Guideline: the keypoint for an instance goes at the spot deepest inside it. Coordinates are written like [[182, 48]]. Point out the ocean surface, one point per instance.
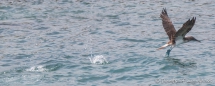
[[104, 43]]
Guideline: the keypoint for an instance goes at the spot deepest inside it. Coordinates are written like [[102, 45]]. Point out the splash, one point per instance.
[[37, 68], [98, 59]]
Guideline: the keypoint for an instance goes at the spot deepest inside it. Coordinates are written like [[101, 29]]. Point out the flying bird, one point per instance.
[[176, 38]]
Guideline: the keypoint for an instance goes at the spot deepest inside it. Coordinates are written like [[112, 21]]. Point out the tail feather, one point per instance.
[[164, 46]]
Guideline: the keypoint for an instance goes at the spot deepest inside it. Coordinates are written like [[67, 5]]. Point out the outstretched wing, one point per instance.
[[167, 24], [187, 26]]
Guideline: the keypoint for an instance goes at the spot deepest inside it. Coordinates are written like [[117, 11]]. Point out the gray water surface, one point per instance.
[[49, 43]]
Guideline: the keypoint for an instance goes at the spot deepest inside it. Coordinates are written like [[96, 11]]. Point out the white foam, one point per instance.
[[39, 68], [98, 59]]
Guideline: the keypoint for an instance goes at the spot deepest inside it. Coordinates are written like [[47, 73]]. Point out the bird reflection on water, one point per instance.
[[183, 67]]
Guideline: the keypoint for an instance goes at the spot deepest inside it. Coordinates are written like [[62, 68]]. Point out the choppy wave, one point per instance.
[[57, 42]]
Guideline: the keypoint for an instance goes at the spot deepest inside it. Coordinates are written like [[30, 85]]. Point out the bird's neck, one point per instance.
[[186, 40]]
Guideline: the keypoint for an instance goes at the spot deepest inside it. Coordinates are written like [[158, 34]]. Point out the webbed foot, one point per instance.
[[168, 52]]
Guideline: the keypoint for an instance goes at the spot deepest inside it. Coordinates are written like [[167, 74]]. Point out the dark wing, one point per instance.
[[167, 24], [187, 26]]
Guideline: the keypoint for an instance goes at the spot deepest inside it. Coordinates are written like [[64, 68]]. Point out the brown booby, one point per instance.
[[176, 38]]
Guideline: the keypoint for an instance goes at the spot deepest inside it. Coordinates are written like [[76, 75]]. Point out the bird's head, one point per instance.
[[191, 38]]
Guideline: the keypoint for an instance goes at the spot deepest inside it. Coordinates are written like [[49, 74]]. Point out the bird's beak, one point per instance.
[[197, 40]]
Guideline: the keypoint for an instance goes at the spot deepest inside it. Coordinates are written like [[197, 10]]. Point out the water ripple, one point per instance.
[[49, 42]]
